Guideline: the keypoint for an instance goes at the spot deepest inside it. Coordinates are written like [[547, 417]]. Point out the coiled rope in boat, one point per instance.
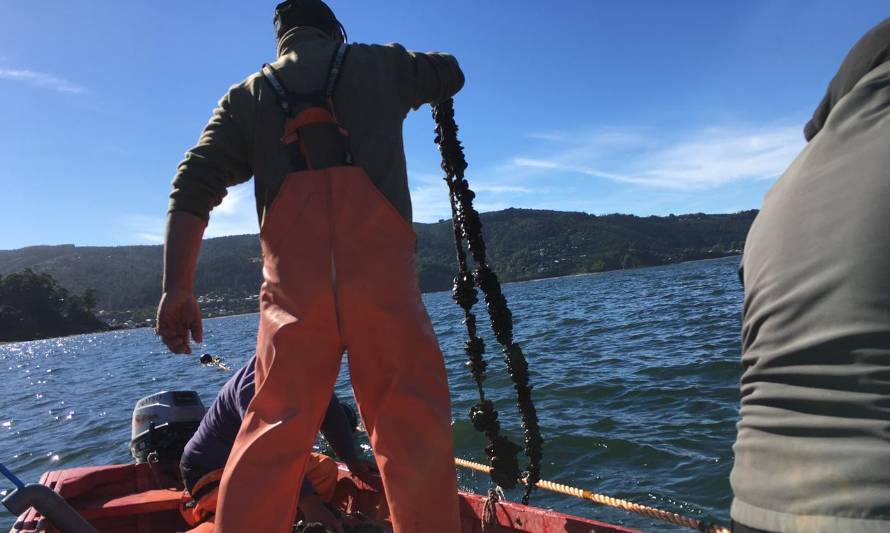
[[609, 501]]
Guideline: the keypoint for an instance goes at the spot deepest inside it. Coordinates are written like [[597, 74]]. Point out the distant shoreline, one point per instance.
[[546, 278], [3, 343], [623, 269]]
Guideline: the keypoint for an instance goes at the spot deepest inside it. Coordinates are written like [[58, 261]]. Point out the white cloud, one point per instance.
[[152, 238], [588, 136], [702, 160], [429, 195], [502, 189], [145, 229], [234, 200], [42, 79], [554, 136], [705, 159], [526, 162], [236, 215]]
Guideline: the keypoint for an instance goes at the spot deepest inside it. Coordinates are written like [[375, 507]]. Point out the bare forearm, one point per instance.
[[181, 247]]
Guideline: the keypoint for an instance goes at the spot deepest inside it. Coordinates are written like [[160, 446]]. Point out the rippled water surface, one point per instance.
[[635, 373]]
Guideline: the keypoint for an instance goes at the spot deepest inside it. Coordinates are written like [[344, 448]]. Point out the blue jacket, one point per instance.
[[209, 447]]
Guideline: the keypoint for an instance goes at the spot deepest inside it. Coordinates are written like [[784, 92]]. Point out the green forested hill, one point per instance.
[[522, 244], [35, 306]]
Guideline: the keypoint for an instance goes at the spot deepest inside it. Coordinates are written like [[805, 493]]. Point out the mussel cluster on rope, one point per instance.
[[501, 452]]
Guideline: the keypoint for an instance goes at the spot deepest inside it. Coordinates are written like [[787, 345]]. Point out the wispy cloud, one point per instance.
[[42, 80], [586, 136], [503, 189], [145, 229], [527, 162], [150, 238], [704, 159], [429, 194], [430, 203], [236, 215], [684, 172]]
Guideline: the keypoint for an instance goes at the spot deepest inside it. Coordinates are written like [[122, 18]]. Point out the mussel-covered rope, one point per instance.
[[500, 450], [609, 501], [464, 294], [465, 219]]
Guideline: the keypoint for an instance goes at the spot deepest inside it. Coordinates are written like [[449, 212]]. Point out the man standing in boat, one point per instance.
[[321, 132], [813, 447]]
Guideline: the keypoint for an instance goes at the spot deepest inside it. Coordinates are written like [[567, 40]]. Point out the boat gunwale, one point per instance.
[[114, 492]]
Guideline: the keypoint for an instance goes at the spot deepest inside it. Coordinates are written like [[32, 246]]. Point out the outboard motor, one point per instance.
[[162, 425]]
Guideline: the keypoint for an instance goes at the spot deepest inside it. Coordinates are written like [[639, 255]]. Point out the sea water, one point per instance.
[[635, 376]]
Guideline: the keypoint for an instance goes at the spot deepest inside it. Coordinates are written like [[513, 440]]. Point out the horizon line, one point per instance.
[[440, 221]]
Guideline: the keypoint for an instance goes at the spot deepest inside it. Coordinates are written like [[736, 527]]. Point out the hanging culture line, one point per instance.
[[465, 220]]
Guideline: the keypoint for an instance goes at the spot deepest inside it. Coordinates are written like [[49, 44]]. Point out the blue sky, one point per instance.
[[634, 107]]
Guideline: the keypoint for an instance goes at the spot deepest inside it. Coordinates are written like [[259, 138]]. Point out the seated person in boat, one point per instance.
[[813, 446], [206, 453]]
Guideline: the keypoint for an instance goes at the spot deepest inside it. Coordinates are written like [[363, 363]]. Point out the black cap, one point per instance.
[[315, 13]]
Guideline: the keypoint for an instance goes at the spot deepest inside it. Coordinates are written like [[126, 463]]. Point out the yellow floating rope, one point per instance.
[[609, 501]]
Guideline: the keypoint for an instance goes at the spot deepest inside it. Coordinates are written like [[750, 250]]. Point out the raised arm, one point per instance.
[[425, 78], [437, 77]]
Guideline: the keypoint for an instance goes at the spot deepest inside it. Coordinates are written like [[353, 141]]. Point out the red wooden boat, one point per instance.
[[139, 498]]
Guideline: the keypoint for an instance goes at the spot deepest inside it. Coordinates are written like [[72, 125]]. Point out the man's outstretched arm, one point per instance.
[[427, 78], [178, 312]]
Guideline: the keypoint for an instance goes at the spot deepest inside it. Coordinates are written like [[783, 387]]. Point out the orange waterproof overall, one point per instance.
[[339, 275]]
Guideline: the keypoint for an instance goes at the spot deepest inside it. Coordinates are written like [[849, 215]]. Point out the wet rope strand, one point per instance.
[[609, 501]]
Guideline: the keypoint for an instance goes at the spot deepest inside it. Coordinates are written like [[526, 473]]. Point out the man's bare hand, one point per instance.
[[179, 315]]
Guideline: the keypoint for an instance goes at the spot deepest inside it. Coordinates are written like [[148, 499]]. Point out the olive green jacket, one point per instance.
[[377, 87], [813, 447]]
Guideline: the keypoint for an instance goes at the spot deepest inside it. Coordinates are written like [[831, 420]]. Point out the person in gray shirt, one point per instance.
[[813, 447]]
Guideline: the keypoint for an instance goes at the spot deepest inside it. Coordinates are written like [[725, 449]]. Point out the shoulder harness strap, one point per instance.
[[303, 109], [335, 70], [287, 99], [278, 87]]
